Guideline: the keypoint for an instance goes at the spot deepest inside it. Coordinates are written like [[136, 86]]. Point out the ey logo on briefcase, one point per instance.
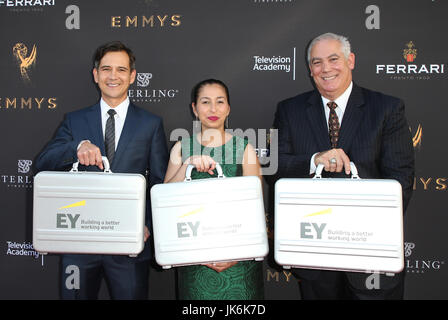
[[313, 230], [184, 228], [67, 220]]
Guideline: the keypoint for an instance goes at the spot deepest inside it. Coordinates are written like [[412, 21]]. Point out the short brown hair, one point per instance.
[[112, 46]]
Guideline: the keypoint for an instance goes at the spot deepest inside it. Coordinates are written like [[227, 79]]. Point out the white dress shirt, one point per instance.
[[341, 101], [120, 117]]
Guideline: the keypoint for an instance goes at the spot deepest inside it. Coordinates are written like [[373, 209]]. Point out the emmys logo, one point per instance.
[[24, 166], [143, 79], [28, 103], [417, 138], [410, 54], [25, 61], [430, 183], [143, 21], [278, 276]]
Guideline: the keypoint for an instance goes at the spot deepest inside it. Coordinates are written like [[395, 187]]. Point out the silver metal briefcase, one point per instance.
[[339, 224], [89, 212], [208, 220]]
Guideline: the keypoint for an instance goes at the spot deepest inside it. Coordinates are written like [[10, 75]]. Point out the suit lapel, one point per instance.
[[317, 120], [126, 134], [95, 126], [353, 115]]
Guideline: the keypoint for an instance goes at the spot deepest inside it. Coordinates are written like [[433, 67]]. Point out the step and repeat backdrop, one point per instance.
[[258, 48]]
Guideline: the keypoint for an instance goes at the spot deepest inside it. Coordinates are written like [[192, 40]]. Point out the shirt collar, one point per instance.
[[121, 109], [342, 100]]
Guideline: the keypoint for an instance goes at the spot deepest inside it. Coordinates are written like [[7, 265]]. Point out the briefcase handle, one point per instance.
[[190, 168], [320, 167], [105, 162]]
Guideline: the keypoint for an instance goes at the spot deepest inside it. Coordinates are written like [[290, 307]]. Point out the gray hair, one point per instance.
[[345, 44]]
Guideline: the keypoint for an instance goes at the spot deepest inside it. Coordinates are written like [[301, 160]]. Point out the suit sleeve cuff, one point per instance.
[[79, 145], [312, 165]]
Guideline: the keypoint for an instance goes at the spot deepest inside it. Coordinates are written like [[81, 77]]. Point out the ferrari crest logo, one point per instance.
[[410, 53]]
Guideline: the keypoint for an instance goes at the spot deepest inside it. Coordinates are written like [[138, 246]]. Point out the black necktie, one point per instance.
[[333, 124], [109, 136]]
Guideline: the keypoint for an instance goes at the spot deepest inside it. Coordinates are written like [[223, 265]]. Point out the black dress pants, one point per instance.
[[81, 276], [338, 285]]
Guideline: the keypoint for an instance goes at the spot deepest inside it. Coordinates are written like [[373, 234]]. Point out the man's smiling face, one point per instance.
[[114, 76], [330, 69]]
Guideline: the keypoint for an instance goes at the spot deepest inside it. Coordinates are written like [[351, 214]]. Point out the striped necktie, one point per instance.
[[109, 136]]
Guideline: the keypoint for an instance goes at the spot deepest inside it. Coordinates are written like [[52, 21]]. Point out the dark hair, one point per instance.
[[198, 87], [113, 46]]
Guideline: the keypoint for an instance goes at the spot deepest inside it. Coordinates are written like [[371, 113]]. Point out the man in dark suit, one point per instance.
[[366, 127], [135, 143]]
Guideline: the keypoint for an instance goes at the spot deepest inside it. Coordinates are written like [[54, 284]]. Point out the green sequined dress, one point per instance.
[[243, 281]]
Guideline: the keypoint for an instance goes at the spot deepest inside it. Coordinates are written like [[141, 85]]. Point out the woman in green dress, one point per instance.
[[237, 280]]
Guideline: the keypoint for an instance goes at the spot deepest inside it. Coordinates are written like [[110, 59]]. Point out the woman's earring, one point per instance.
[[227, 122]]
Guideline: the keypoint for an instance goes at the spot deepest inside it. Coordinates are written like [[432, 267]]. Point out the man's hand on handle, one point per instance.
[[90, 155], [334, 160]]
